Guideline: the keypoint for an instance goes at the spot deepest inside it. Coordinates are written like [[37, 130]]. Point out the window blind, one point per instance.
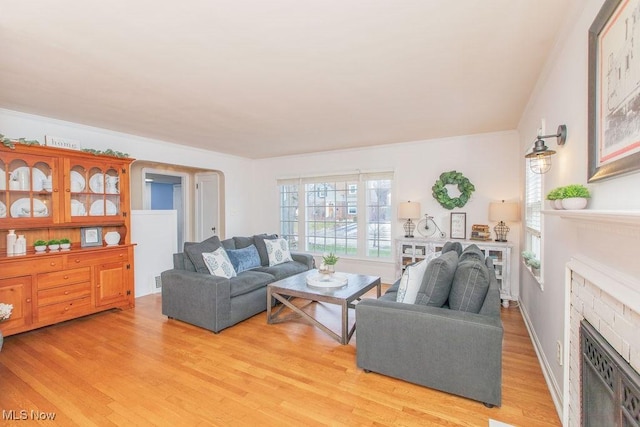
[[533, 200]]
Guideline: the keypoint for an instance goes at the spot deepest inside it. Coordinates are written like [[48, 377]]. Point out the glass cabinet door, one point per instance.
[[4, 179], [94, 191], [101, 195], [80, 192], [27, 189]]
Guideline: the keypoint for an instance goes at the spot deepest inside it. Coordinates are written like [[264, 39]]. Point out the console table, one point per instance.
[[410, 250]]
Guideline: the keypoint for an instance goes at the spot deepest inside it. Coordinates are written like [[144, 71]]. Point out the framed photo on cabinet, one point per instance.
[[90, 236], [458, 225]]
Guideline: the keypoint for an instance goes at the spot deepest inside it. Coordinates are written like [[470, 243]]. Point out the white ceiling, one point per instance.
[[263, 78]]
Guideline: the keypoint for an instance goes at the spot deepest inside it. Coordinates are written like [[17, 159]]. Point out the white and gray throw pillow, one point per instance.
[[218, 263], [278, 251], [411, 280]]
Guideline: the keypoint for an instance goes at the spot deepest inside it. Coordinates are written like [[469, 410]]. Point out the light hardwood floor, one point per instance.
[[136, 367]]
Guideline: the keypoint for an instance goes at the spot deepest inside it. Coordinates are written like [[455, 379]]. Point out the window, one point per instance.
[[289, 214], [320, 214], [533, 206], [378, 202]]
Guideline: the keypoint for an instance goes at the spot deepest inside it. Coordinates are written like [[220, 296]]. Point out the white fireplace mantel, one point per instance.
[[621, 222], [594, 271]]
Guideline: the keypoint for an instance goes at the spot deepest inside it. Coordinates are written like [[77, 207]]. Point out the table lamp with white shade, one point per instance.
[[503, 212], [409, 211]]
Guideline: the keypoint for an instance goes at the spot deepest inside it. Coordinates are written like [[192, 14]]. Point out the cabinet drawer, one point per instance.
[[64, 277], [94, 258], [64, 293], [19, 267], [64, 310]]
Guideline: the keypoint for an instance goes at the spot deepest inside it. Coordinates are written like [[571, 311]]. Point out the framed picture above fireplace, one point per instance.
[[614, 90]]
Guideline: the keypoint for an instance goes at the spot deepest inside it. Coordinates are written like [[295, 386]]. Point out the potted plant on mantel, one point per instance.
[[555, 197], [575, 196]]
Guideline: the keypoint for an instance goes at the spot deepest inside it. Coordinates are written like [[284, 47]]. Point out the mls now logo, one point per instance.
[[13, 415]]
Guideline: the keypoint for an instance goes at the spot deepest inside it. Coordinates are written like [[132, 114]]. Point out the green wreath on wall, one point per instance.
[[440, 193]]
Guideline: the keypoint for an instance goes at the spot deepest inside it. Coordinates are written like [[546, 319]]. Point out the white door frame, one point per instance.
[[198, 231], [185, 192]]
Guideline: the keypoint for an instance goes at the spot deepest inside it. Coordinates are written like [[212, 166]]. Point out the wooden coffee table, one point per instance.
[[286, 290]]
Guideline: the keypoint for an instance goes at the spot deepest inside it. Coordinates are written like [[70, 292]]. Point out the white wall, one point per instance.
[[238, 182], [490, 161], [561, 98], [156, 237]]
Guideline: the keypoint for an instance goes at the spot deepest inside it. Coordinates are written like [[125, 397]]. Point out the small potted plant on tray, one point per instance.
[[328, 264]]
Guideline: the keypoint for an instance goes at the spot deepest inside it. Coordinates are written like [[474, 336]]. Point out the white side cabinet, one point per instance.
[[410, 250]]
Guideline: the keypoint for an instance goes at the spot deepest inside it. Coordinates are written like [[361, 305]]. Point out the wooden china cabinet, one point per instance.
[[52, 193]]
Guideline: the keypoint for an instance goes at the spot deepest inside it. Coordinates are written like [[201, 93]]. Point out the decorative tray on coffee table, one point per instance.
[[327, 281]]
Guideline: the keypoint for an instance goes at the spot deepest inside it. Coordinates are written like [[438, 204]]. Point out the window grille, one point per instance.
[[344, 214]]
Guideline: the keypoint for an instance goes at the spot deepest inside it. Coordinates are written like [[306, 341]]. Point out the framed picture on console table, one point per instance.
[[458, 225], [91, 236], [614, 90]]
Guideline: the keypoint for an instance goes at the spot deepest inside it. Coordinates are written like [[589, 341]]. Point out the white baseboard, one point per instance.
[[552, 384]]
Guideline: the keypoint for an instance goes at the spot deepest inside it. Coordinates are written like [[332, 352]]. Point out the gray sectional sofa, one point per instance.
[[452, 350], [191, 294]]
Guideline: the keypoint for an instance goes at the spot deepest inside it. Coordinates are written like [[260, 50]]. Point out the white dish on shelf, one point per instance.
[[77, 182], [77, 208], [21, 208], [3, 180], [3, 210], [97, 208], [96, 183], [111, 184], [112, 238], [38, 178]]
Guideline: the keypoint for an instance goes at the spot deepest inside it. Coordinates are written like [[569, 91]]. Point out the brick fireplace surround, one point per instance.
[[606, 297]]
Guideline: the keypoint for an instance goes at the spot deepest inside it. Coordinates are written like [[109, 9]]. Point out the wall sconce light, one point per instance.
[[503, 211], [409, 211], [540, 156]]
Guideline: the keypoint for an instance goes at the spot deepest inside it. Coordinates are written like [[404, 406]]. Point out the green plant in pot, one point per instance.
[[527, 256], [65, 243], [555, 197], [54, 244], [535, 266], [329, 261], [575, 196], [40, 245]]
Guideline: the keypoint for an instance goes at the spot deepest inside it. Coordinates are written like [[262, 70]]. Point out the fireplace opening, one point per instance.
[[610, 387]]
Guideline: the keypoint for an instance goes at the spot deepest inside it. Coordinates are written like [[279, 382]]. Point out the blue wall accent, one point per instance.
[[161, 196]]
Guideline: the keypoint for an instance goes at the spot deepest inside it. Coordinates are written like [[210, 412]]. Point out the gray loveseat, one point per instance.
[[455, 351], [191, 294]]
